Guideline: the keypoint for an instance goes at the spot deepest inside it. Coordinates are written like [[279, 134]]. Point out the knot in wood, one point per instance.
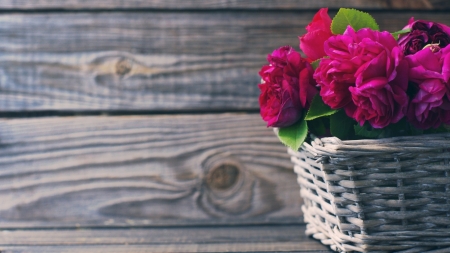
[[123, 67], [223, 176]]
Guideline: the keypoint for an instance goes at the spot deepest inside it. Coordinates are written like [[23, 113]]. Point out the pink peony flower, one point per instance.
[[288, 87], [423, 33], [335, 83], [319, 30], [430, 73], [366, 75]]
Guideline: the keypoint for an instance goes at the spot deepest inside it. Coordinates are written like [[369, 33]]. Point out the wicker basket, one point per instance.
[[386, 195]]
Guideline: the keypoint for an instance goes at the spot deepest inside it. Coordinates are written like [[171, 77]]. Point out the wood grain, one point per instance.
[[204, 239], [172, 33], [144, 171], [160, 33], [286, 247], [223, 4], [156, 61], [124, 81], [137, 61]]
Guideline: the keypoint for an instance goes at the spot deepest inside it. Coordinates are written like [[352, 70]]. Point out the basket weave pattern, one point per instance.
[[386, 195]]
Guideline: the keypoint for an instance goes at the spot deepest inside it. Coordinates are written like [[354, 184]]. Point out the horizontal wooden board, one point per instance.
[[156, 61], [123, 81], [144, 171], [286, 247], [199, 239], [223, 4], [159, 33], [137, 61], [170, 33]]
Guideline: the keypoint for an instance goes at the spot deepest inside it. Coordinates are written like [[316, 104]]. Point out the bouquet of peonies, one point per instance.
[[357, 81]]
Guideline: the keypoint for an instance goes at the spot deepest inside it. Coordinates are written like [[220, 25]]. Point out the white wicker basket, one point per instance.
[[385, 195]]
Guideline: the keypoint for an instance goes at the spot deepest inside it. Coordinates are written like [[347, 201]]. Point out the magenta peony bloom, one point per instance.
[[335, 77], [287, 89], [366, 75], [423, 33], [430, 73], [319, 30]]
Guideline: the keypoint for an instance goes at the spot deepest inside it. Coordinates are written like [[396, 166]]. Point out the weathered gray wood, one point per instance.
[[157, 33], [205, 239], [177, 33], [185, 248], [144, 170], [180, 235], [223, 4], [137, 61], [160, 61], [124, 81]]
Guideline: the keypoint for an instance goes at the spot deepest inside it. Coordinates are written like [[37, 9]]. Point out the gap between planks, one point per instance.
[[220, 4], [218, 239]]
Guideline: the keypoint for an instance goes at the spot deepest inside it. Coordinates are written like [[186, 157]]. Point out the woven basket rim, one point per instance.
[[333, 146]]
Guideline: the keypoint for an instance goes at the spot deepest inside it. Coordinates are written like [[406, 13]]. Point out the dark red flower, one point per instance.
[[430, 73], [423, 33], [287, 89], [319, 30], [365, 74]]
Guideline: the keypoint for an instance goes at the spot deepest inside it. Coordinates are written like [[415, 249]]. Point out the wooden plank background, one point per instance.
[[185, 239], [158, 78], [144, 171], [223, 4], [151, 61]]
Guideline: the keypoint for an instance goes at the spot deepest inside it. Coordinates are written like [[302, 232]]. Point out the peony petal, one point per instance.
[[392, 67], [446, 64], [294, 58], [350, 32], [421, 108], [401, 76], [380, 102], [365, 74], [312, 44], [387, 40], [428, 59], [279, 98], [320, 21], [372, 69], [337, 46], [402, 100], [374, 83], [307, 88], [319, 30], [434, 87], [419, 73]]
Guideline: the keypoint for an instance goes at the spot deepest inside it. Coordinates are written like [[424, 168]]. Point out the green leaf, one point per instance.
[[356, 19], [441, 129], [367, 131], [318, 126], [315, 64], [318, 109], [415, 131], [341, 125], [398, 33], [294, 136]]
